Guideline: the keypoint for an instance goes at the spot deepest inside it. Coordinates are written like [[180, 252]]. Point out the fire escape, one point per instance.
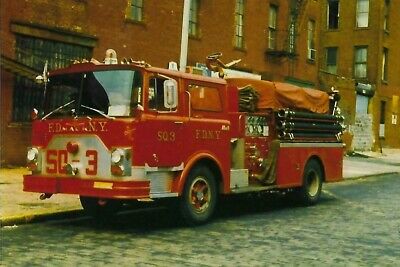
[[285, 45]]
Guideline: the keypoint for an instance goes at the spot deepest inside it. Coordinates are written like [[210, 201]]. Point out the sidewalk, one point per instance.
[[371, 163], [18, 207]]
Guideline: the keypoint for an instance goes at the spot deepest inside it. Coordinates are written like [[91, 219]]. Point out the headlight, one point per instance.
[[32, 154], [120, 162], [116, 156], [33, 159]]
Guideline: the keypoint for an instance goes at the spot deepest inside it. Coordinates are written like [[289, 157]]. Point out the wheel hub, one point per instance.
[[200, 197]]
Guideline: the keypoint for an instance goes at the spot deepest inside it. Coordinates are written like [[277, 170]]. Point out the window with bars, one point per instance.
[[33, 52], [311, 50], [331, 59], [134, 11], [239, 24], [362, 15], [194, 18], [360, 62], [272, 29]]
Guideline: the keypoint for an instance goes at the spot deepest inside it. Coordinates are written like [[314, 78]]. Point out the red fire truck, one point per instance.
[[118, 133]]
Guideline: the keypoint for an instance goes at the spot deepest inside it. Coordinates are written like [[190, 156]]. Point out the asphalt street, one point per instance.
[[357, 223]]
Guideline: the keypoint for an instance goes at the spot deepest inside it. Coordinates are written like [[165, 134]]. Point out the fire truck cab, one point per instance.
[[114, 133]]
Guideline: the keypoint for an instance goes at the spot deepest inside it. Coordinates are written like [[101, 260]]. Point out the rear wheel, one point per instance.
[[199, 198], [310, 191], [100, 208]]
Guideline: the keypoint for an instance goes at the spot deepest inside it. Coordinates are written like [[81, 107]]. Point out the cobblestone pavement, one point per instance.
[[357, 223]]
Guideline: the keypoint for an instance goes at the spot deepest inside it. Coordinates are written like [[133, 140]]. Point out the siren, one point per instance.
[[173, 65], [111, 57]]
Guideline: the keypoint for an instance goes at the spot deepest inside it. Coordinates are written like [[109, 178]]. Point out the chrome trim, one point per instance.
[[161, 179], [249, 189], [162, 195], [190, 103], [316, 145], [148, 168]]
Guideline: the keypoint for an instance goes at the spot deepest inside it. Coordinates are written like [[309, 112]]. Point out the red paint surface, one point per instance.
[[53, 185]]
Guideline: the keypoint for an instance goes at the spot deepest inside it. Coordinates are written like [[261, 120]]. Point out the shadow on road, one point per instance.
[[161, 216]]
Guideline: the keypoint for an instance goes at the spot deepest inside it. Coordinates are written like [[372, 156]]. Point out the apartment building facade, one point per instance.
[[276, 39], [358, 52]]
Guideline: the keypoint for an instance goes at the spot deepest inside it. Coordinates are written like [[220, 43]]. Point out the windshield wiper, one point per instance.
[[57, 109], [99, 111]]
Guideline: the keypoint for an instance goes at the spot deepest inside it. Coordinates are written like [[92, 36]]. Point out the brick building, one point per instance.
[[299, 41], [359, 50], [275, 39]]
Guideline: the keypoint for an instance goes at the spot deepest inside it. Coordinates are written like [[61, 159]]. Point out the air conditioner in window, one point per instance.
[[312, 54]]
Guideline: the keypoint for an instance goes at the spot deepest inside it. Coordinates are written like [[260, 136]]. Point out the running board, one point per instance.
[[249, 189]]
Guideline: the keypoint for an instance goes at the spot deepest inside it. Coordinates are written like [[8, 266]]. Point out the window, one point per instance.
[[311, 51], [91, 93], [157, 95], [360, 62], [33, 52], [385, 64], [362, 13], [333, 14], [382, 119], [386, 15], [239, 24], [383, 111], [331, 59], [273, 11], [194, 18], [135, 10], [205, 98]]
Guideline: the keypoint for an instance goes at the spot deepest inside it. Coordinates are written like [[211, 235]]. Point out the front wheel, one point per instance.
[[310, 191], [199, 197]]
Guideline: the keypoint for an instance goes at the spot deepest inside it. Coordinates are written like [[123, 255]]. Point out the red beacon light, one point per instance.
[[72, 147]]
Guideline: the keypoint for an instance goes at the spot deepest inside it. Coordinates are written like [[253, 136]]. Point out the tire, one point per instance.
[[310, 191], [199, 197], [102, 209]]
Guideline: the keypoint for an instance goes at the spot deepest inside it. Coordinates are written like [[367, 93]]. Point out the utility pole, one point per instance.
[[185, 35]]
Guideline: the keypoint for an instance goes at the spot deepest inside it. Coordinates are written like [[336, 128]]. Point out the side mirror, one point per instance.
[[44, 78], [34, 114], [170, 94], [40, 79]]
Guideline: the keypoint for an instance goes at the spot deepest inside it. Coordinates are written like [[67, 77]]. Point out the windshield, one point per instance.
[[111, 93]]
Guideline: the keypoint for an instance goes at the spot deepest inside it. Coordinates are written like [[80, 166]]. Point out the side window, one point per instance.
[[162, 94], [205, 98]]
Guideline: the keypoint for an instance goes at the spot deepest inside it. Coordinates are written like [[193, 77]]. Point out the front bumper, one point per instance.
[[85, 187]]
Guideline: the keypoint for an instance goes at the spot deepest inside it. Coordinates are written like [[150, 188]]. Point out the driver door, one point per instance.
[[164, 126]]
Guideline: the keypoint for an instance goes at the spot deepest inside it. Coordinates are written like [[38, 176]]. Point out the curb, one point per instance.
[[39, 217], [369, 176]]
